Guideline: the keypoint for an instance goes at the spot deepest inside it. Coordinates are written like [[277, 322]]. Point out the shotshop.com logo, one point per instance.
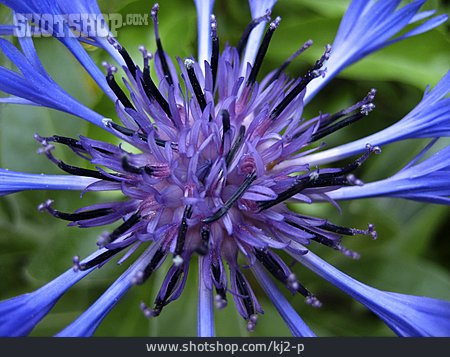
[[75, 25]]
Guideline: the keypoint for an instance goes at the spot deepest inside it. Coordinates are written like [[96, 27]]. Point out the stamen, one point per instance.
[[150, 88], [339, 178], [246, 299], [297, 53], [182, 231], [220, 302], [125, 55], [115, 87], [215, 50], [232, 200], [130, 168], [74, 217], [203, 247], [74, 144], [314, 72], [246, 34], [189, 64], [226, 126], [262, 51], [116, 233], [350, 231], [142, 275], [236, 146], [161, 302], [143, 137], [343, 123], [221, 297], [77, 266], [146, 55], [271, 265], [160, 50], [365, 107]]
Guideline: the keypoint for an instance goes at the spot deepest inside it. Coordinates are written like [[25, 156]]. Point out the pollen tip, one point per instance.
[[138, 278], [354, 180], [313, 301], [45, 205], [76, 263], [188, 63], [146, 310], [155, 9], [103, 239], [251, 324], [275, 23], [371, 230], [293, 282], [177, 260], [106, 121], [367, 108], [46, 148], [220, 302]]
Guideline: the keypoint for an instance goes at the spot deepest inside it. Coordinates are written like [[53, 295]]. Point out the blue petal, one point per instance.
[[428, 181], [19, 315], [40, 89], [367, 27], [204, 11], [287, 312], [86, 324], [429, 119], [205, 311], [258, 8], [12, 181], [406, 315], [7, 30], [72, 43]]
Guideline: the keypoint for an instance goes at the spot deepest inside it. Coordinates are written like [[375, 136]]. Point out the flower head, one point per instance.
[[217, 154]]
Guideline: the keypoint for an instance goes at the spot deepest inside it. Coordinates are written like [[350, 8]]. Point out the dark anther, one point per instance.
[[262, 51], [152, 91], [236, 145], [271, 265], [286, 63], [116, 233], [74, 217], [183, 230], [83, 172], [143, 137], [314, 72], [322, 132], [118, 91], [215, 50], [97, 260], [319, 238], [221, 291], [225, 124], [243, 290], [70, 142], [195, 84], [203, 247], [160, 51], [246, 34], [232, 200], [161, 302], [143, 275], [128, 167], [129, 62]]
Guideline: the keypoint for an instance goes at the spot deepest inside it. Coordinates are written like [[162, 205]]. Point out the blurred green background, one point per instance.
[[410, 256]]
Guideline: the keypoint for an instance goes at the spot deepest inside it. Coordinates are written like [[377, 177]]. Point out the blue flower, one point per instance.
[[218, 154]]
